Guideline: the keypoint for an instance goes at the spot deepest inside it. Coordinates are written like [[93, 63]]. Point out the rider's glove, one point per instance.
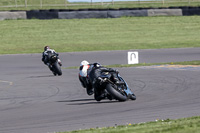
[[100, 80], [116, 71]]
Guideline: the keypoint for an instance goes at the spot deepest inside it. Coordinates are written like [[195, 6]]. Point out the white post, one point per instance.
[[65, 2], [163, 2], [25, 3], [15, 3], [133, 58], [40, 3]]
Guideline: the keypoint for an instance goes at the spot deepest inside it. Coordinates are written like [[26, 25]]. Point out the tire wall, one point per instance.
[[44, 14], [95, 13]]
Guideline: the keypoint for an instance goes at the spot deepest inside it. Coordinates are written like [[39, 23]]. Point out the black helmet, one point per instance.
[[46, 47], [97, 64]]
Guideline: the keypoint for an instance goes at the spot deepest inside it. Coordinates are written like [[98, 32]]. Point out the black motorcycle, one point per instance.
[[119, 90], [55, 66]]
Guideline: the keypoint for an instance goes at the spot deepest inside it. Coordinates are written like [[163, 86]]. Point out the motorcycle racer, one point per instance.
[[95, 72], [93, 75], [45, 58], [89, 77]]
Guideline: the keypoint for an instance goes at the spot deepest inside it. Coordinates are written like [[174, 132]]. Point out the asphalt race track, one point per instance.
[[32, 100]]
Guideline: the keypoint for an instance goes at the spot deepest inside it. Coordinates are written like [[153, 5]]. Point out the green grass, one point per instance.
[[150, 64], [67, 35], [35, 4], [32, 2], [184, 125], [146, 64]]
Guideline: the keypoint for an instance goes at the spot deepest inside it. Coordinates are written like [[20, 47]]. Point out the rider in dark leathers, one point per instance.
[[45, 55], [45, 58], [94, 73], [89, 76]]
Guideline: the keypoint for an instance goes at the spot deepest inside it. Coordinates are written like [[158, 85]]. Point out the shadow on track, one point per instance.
[[41, 76], [85, 101]]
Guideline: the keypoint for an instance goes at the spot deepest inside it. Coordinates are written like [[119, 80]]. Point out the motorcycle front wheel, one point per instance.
[[117, 94]]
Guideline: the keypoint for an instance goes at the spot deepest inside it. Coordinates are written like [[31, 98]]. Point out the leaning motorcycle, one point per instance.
[[55, 66], [118, 90]]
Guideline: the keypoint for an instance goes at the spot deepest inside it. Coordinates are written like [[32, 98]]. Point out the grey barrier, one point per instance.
[[13, 15], [95, 13], [165, 12], [129, 13]]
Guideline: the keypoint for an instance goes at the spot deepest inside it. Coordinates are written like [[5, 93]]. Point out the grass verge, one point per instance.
[[184, 125], [30, 36], [62, 4], [146, 64]]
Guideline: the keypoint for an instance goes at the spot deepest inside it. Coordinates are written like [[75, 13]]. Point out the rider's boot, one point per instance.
[[100, 97], [54, 73], [109, 96], [90, 91], [50, 67]]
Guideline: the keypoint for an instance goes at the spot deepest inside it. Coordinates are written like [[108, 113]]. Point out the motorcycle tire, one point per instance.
[[114, 93], [132, 96], [57, 68]]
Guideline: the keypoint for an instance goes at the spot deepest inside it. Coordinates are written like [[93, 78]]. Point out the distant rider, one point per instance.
[[45, 58]]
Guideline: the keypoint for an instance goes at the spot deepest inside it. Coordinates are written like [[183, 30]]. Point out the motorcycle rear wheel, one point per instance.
[[57, 68]]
